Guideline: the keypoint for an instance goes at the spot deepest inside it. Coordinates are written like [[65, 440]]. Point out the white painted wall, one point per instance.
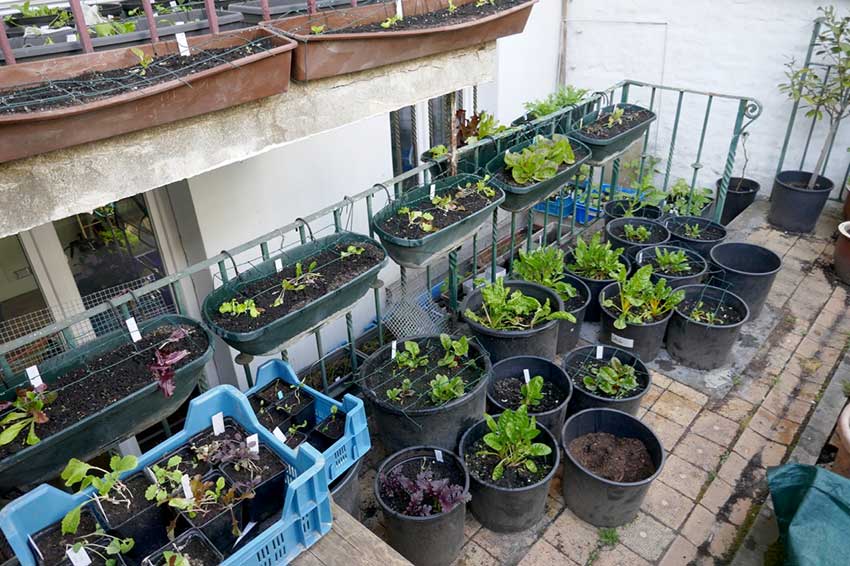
[[725, 46]]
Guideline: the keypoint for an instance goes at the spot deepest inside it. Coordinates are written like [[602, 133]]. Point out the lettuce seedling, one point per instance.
[[351, 251], [107, 484], [27, 411], [93, 544], [506, 310], [510, 439], [446, 203], [444, 389], [615, 117], [425, 496], [410, 357], [615, 379], [317, 30], [566, 96], [637, 233], [545, 266], [391, 21], [438, 151], [418, 218], [237, 308], [596, 260], [301, 281], [640, 301], [398, 393], [692, 230]]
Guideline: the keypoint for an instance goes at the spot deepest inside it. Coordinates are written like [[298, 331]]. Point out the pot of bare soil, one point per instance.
[[678, 266], [705, 326], [695, 233], [634, 234], [511, 461], [538, 384], [611, 459], [422, 493], [635, 312], [747, 270], [795, 203], [511, 318], [595, 264], [607, 377], [842, 252], [190, 548], [426, 389], [612, 129]]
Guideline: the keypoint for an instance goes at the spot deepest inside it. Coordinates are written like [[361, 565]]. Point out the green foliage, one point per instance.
[[699, 314], [482, 3], [630, 171], [615, 117], [301, 281], [640, 301], [351, 251], [293, 428], [236, 308], [438, 151], [418, 218], [480, 187], [27, 410], [480, 126], [106, 483], [317, 30], [452, 8], [110, 28], [564, 97], [532, 392], [540, 160], [506, 310], [637, 233], [444, 389], [596, 260], [680, 200], [167, 480], [399, 393], [672, 262], [692, 230], [62, 19], [608, 537], [93, 545], [175, 559], [545, 266], [453, 349], [446, 202], [145, 60], [120, 238], [410, 358], [510, 438], [615, 379], [391, 21]]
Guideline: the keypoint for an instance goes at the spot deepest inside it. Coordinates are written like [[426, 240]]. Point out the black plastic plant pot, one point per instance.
[[505, 509], [702, 345], [658, 234], [618, 208], [603, 149], [748, 271], [270, 337], [715, 234], [542, 340], [645, 340], [739, 195], [575, 363], [440, 426], [148, 530], [793, 207], [549, 371], [192, 543], [593, 311], [218, 526], [48, 544], [345, 490], [266, 501], [92, 435], [519, 198], [698, 266], [597, 500], [435, 540], [416, 253], [569, 332]]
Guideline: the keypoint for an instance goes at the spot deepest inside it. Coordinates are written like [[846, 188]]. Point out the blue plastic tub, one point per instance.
[[355, 442], [306, 512], [586, 213], [552, 206]]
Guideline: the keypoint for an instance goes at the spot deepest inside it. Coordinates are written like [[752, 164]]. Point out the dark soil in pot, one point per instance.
[[593, 310], [192, 545], [506, 392], [481, 467], [119, 513], [697, 267], [793, 206], [615, 232], [52, 543], [645, 340], [630, 119], [619, 208], [611, 457], [270, 481], [335, 273], [739, 196], [709, 234], [505, 176], [107, 379], [582, 361], [218, 521]]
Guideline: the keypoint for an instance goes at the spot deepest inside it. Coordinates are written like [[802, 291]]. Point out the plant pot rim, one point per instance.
[[844, 228], [512, 333], [609, 141], [741, 272], [585, 289], [622, 259], [643, 325], [692, 256], [395, 455], [548, 477], [740, 301], [560, 406], [615, 349], [634, 420], [744, 180], [705, 222], [621, 200], [467, 397], [780, 181]]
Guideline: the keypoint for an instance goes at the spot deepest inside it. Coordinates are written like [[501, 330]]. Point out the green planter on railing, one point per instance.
[[604, 148], [519, 198], [94, 434], [270, 337], [415, 253]]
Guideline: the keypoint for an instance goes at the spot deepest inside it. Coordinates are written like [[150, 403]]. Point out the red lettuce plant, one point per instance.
[[425, 496]]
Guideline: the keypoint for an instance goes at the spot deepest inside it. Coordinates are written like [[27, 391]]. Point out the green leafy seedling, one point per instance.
[[532, 392], [351, 251], [511, 440], [444, 389], [237, 308], [317, 30]]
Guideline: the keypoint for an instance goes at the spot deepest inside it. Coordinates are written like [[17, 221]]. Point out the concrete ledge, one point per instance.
[[55, 185]]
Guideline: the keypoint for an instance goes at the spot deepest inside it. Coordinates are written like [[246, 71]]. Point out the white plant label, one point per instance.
[[278, 265], [599, 350], [279, 434], [182, 44], [173, 4], [179, 23], [34, 547], [398, 9], [433, 191], [34, 377], [526, 375], [438, 454], [393, 349], [71, 37], [253, 443], [218, 423], [280, 395], [187, 487], [78, 557], [621, 341], [134, 329]]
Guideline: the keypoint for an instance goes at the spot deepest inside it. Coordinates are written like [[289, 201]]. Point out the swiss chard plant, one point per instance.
[[454, 351], [26, 411], [564, 97], [511, 440], [532, 392], [411, 357], [506, 310], [234, 307], [424, 496], [639, 300], [444, 389], [682, 202], [107, 485], [545, 266], [540, 160], [637, 233], [615, 379], [699, 313], [596, 260], [672, 262], [402, 392], [303, 278]]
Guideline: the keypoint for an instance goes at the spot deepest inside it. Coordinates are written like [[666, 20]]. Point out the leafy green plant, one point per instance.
[[293, 428], [175, 558], [482, 3], [672, 262], [301, 281], [351, 251], [391, 21], [564, 97], [111, 28], [93, 545], [237, 308], [637, 233], [680, 200], [418, 218], [62, 19], [540, 160], [510, 439], [506, 310], [452, 8], [639, 300], [453, 349], [207, 494], [411, 358], [480, 187], [317, 30], [438, 151], [692, 230], [27, 410], [615, 379], [399, 393], [545, 266], [444, 389], [615, 118], [145, 60], [532, 392], [166, 480], [596, 260], [477, 127], [446, 203], [700, 314], [107, 484]]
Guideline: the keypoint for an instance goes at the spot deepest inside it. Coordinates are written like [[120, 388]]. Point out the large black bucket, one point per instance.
[[748, 271], [793, 207], [582, 399], [740, 194]]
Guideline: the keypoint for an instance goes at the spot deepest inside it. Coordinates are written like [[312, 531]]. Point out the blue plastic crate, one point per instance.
[[306, 512], [586, 213], [355, 442], [552, 206]]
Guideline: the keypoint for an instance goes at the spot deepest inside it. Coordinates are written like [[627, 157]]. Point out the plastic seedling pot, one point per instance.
[[519, 198], [264, 504], [416, 253], [550, 372], [439, 426], [345, 490], [748, 271], [678, 237], [614, 234], [218, 524], [645, 340], [148, 530], [49, 544], [194, 544], [602, 149], [569, 332], [699, 344], [583, 399], [699, 267], [435, 540], [617, 209], [793, 207], [593, 311], [739, 196], [542, 340], [599, 501]]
